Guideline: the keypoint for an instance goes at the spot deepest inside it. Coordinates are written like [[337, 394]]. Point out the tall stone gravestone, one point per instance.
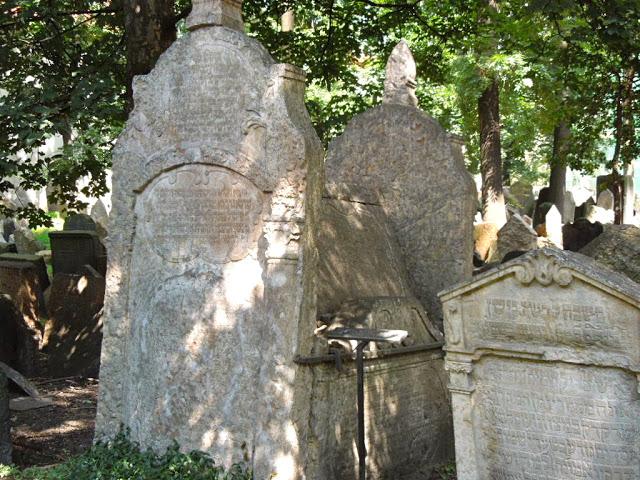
[[398, 157], [210, 286], [544, 365]]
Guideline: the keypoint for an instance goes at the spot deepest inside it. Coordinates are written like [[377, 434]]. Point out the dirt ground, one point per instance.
[[52, 434]]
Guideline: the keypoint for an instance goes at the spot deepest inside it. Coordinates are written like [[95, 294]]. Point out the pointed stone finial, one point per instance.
[[400, 84], [207, 13]]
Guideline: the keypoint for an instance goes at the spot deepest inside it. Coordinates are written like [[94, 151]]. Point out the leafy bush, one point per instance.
[[122, 459]]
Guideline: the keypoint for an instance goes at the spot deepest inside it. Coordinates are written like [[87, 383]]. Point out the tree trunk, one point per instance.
[[493, 208], [558, 177], [149, 30], [625, 148]]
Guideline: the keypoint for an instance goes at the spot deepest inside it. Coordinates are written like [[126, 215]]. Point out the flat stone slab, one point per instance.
[[23, 404]]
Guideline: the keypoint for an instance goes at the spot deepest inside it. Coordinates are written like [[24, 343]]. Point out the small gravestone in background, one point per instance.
[[71, 250], [544, 369], [5, 422], [18, 344], [606, 200], [583, 210], [553, 226], [569, 208], [210, 291], [579, 233], [396, 156], [515, 236], [26, 241], [80, 221], [38, 263]]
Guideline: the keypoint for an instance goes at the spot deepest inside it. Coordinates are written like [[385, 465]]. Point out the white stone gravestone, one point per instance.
[[544, 368], [210, 288]]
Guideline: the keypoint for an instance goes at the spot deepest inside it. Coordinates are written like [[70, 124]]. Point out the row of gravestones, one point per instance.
[[53, 326], [234, 248], [234, 251]]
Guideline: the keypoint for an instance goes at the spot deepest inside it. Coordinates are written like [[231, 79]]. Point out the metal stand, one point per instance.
[[362, 448], [363, 336]]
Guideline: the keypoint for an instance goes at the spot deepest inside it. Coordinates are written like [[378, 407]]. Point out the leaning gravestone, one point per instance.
[[398, 157], [544, 367], [515, 236], [210, 289], [5, 422]]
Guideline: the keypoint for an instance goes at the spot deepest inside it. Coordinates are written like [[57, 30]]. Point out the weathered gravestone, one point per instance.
[[398, 157], [73, 333], [544, 365], [515, 236], [363, 283], [618, 247], [26, 241], [36, 260], [606, 200], [21, 281], [5, 422], [18, 343], [210, 290], [71, 250], [80, 221]]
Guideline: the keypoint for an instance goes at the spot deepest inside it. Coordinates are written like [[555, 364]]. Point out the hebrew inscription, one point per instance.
[[555, 322], [201, 211], [557, 421]]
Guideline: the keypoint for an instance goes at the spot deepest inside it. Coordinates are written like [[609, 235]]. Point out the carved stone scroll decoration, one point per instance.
[[545, 269]]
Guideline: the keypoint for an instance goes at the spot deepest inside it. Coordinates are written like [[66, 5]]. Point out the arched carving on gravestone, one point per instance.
[[200, 211]]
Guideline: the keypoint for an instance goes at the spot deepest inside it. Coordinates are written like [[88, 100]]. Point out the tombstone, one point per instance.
[[6, 247], [605, 200], [363, 283], [100, 216], [210, 287], [569, 208], [359, 257], [5, 422], [553, 226], [544, 367], [601, 215], [71, 250], [516, 235], [618, 247], [628, 195], [579, 233], [73, 333], [396, 156], [583, 210], [20, 281], [407, 410], [38, 263], [80, 221], [18, 343], [542, 206], [26, 241]]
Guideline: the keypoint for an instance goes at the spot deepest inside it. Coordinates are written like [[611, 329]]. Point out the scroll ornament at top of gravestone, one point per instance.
[[398, 157], [209, 290]]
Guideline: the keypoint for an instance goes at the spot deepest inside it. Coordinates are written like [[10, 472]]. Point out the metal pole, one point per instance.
[[362, 448]]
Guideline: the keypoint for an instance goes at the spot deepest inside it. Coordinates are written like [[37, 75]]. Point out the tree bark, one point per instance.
[[558, 177], [625, 148], [149, 30], [493, 207]]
